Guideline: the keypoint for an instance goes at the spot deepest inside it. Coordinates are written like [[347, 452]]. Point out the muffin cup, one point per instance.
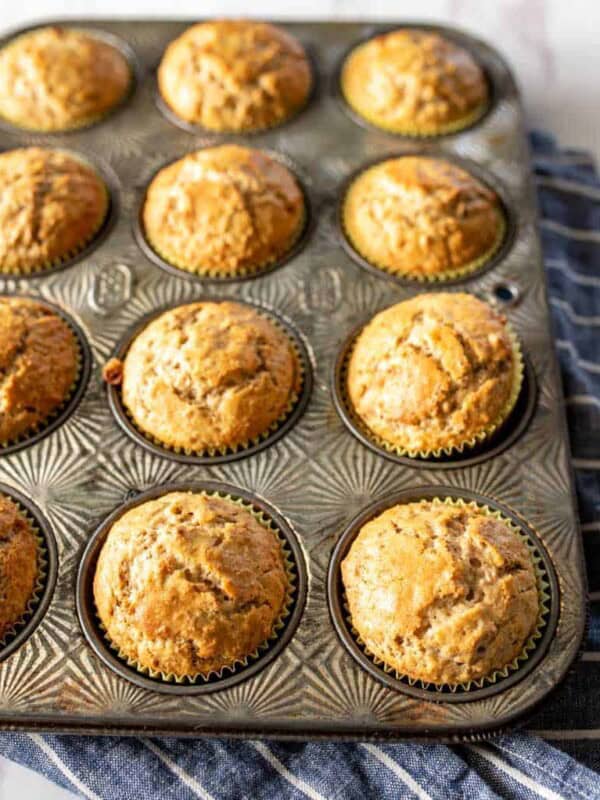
[[40, 581], [229, 674], [73, 396], [372, 122], [536, 644], [295, 407], [68, 257], [502, 242], [47, 558], [165, 261], [87, 122], [481, 437]]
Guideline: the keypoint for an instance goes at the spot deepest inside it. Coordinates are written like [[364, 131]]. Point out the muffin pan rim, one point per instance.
[[482, 174], [51, 555], [335, 593], [83, 380], [119, 413], [457, 36], [301, 241], [87, 616], [509, 432]]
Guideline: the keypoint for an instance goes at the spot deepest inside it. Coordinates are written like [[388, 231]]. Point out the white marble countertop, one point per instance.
[[552, 46]]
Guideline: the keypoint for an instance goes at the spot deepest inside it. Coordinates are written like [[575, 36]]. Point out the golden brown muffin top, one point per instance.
[[412, 80], [225, 210], [38, 365], [55, 79], [18, 563], [442, 594], [235, 75], [209, 376], [433, 372], [189, 583], [51, 205], [421, 217]]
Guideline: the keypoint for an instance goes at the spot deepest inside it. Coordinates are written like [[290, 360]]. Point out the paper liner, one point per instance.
[[240, 272], [476, 439], [279, 624], [40, 582], [226, 450], [40, 426], [445, 275], [543, 586], [74, 252]]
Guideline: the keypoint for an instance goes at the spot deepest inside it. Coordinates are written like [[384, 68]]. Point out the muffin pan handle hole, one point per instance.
[[506, 294]]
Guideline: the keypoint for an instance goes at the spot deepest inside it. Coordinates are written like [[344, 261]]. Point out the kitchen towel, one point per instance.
[[518, 765]]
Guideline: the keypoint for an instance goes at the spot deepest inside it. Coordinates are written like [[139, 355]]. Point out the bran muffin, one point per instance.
[[414, 82], [39, 364], [422, 218], [18, 564], [51, 205], [441, 593], [189, 583], [208, 377], [235, 75], [56, 79], [434, 373], [223, 211]]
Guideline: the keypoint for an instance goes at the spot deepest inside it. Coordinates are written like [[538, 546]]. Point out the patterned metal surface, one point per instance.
[[318, 475]]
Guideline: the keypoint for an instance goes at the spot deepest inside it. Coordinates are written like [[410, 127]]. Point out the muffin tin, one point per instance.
[[316, 476]]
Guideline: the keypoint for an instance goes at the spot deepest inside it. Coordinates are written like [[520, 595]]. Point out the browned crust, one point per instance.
[[441, 594], [235, 75], [413, 80], [52, 205], [18, 563], [432, 372], [209, 375], [224, 210], [38, 365], [421, 216], [55, 79], [188, 584]]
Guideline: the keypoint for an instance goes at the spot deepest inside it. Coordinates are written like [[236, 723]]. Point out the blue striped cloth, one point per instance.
[[515, 766]]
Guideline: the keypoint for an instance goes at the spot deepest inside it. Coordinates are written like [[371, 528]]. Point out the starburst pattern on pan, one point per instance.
[[28, 680]]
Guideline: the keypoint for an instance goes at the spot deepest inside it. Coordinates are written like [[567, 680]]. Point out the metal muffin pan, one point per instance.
[[318, 476]]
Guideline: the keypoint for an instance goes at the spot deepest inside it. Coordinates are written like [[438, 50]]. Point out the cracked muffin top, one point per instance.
[[223, 211], [434, 372], [441, 593], [39, 358], [18, 563], [208, 376], [422, 217], [51, 205], [189, 583], [414, 82], [235, 75], [56, 79]]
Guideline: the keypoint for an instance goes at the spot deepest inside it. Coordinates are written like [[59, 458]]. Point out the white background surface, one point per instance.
[[553, 46]]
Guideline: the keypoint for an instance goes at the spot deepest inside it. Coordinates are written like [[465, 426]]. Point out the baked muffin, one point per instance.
[[210, 376], [434, 373], [235, 75], [39, 363], [18, 564], [441, 593], [57, 79], [414, 82], [224, 211], [51, 206], [422, 218], [188, 584]]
